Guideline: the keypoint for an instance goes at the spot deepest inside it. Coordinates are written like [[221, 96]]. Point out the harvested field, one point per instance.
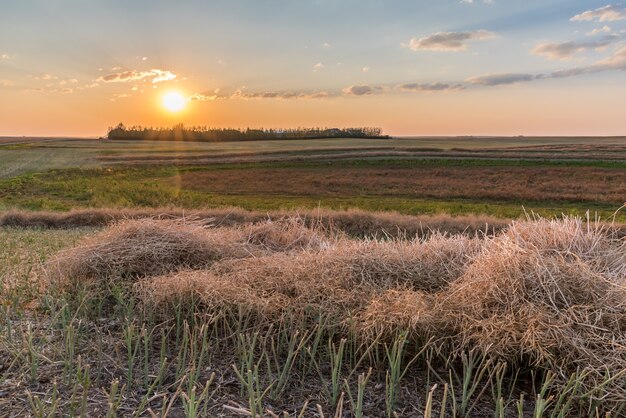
[[581, 184], [534, 312], [178, 302]]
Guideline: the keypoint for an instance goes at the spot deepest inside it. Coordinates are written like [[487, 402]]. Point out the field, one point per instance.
[[320, 278], [462, 176]]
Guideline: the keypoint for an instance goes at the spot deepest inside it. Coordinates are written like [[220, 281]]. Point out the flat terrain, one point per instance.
[[570, 184], [188, 307], [491, 176]]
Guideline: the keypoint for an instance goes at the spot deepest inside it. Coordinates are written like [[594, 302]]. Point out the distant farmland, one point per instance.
[[411, 176]]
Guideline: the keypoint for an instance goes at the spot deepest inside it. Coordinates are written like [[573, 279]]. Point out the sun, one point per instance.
[[174, 101]]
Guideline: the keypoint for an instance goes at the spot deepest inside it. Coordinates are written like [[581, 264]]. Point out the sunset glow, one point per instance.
[[174, 101], [497, 67]]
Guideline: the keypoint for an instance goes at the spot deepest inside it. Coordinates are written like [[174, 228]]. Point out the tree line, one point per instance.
[[203, 133]]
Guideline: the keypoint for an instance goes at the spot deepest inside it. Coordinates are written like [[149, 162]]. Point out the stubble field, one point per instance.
[[155, 297]]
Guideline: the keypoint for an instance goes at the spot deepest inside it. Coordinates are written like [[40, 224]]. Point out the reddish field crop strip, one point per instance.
[[584, 184]]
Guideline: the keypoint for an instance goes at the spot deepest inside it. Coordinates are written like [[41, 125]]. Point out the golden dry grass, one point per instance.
[[131, 249], [547, 293]]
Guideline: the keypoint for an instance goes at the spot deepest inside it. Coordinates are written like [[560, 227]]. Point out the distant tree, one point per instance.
[[202, 133]]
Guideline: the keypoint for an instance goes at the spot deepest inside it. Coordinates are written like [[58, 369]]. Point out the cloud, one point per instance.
[[500, 79], [46, 77], [283, 95], [603, 29], [6, 83], [361, 90], [358, 90], [566, 50], [609, 13], [472, 1], [5, 57], [448, 41], [365, 69], [615, 62], [417, 87], [208, 96], [318, 67], [154, 76]]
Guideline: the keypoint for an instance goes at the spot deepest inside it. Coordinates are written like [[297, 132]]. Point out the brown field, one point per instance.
[[573, 184]]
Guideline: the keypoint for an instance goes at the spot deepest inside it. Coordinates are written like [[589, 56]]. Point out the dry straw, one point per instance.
[[551, 293], [131, 249]]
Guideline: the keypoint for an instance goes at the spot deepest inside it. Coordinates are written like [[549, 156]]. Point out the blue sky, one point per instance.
[[116, 55]]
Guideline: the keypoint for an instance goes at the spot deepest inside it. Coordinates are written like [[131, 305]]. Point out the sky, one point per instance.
[[411, 67]]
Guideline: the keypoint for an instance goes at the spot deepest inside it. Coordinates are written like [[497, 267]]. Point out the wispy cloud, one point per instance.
[[425, 87], [566, 50], [153, 75], [358, 90], [284, 95], [46, 77], [6, 83], [5, 57], [318, 67], [615, 62], [361, 90], [603, 29], [448, 41], [607, 13], [208, 96], [483, 1], [500, 79]]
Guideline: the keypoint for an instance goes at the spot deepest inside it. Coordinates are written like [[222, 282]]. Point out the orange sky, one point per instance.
[[483, 67], [527, 110]]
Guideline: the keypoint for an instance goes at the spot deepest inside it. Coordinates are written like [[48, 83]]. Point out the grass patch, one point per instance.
[[161, 186]]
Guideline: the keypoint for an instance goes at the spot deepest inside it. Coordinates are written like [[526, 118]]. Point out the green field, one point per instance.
[[64, 174]]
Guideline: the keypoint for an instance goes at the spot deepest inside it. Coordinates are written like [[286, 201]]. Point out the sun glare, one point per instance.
[[174, 101]]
